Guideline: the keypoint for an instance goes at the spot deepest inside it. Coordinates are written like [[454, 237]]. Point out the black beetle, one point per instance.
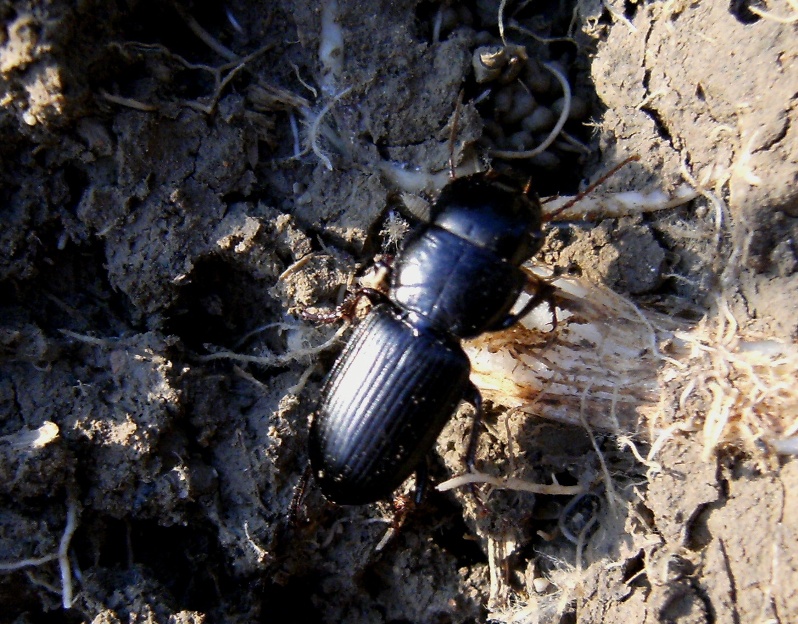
[[403, 372]]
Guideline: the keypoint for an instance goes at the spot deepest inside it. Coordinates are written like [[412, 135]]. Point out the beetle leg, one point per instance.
[[346, 310], [402, 506], [299, 494], [422, 473], [473, 397], [545, 292]]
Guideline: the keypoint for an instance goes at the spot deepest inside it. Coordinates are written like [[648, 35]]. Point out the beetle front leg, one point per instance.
[[374, 289], [545, 292], [346, 310]]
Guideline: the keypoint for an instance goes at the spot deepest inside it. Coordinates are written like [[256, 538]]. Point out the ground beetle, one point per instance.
[[403, 372]]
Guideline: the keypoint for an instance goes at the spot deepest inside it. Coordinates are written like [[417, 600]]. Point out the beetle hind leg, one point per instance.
[[474, 398], [299, 494], [422, 480]]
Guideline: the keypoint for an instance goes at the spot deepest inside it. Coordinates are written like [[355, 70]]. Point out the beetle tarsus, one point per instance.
[[422, 474]]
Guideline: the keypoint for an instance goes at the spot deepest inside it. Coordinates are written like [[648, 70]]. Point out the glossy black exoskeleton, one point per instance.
[[403, 372]]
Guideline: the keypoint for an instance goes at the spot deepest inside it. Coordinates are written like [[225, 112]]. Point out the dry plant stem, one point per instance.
[[12, 566], [513, 25], [274, 360], [603, 178], [303, 380], [502, 4], [204, 35], [615, 205], [720, 206], [281, 327], [128, 102], [510, 483], [626, 441], [619, 16], [566, 109], [232, 68], [776, 18], [92, 340]]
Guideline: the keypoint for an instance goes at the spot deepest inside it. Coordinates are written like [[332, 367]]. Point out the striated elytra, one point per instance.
[[403, 372]]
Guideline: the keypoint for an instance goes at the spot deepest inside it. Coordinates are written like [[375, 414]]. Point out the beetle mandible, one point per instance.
[[403, 372]]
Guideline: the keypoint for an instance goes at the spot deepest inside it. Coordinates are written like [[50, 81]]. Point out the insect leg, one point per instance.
[[299, 494], [545, 292], [346, 310], [475, 399], [422, 472]]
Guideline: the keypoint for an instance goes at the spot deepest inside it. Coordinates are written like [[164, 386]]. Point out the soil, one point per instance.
[[179, 181]]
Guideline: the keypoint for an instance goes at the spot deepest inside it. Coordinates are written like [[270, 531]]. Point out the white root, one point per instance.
[[331, 47], [510, 483], [63, 553], [607, 205], [417, 181], [272, 360], [62, 556], [315, 128]]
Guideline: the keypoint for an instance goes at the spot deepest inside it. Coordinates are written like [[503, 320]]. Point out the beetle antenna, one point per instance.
[[453, 133], [592, 187]]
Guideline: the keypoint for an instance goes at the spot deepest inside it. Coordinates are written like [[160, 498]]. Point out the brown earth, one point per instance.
[[179, 181]]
